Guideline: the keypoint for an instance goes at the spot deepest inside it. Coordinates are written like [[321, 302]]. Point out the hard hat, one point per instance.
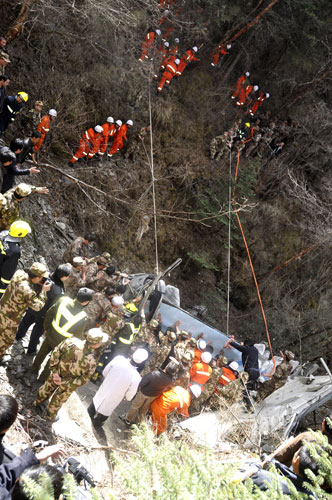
[[267, 95], [130, 122], [247, 124], [38, 269], [166, 12], [256, 88], [98, 129], [206, 357], [229, 45], [177, 61], [53, 112], [247, 73], [119, 122], [19, 229], [195, 390], [195, 49], [177, 40], [78, 261], [23, 95], [39, 103], [153, 323], [140, 355], [158, 32], [171, 336], [186, 358], [131, 307], [96, 336], [234, 366], [110, 119], [117, 301], [166, 44], [201, 344], [22, 190]]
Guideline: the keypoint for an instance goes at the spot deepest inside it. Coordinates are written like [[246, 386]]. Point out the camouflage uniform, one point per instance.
[[209, 388], [253, 144], [278, 380], [75, 363], [229, 394], [114, 322], [102, 281], [219, 145], [30, 120], [161, 353], [74, 282], [76, 249], [136, 143], [9, 207], [97, 310], [19, 295]]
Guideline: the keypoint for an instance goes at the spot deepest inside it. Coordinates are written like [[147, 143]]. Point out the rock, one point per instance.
[[61, 226]]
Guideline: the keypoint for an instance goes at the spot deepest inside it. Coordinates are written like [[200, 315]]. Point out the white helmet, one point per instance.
[[140, 355], [234, 366], [119, 122], [117, 301], [229, 45], [98, 129], [110, 119], [158, 32], [195, 390], [267, 95], [130, 122], [177, 61], [201, 344], [166, 44], [247, 73], [166, 12], [52, 112], [256, 88], [177, 40], [206, 357], [195, 49]]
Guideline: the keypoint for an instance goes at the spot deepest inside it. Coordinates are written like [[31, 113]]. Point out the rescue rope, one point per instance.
[[251, 264], [229, 238]]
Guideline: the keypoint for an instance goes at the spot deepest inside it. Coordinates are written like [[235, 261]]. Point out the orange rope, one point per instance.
[[251, 265]]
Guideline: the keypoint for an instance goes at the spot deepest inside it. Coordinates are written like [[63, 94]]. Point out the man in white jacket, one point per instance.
[[121, 380]]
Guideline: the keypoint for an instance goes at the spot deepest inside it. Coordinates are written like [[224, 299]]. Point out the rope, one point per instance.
[[229, 237], [153, 178], [251, 264]]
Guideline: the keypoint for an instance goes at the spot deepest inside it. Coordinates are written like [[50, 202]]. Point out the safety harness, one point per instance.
[[70, 319]]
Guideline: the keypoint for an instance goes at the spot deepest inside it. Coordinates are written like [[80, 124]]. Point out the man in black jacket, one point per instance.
[[150, 387], [37, 317], [28, 145], [12, 169], [13, 104], [4, 82]]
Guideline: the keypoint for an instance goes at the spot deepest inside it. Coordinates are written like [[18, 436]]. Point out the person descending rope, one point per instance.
[[240, 84], [168, 74], [108, 131], [120, 136], [258, 103], [220, 51], [89, 144], [147, 45]]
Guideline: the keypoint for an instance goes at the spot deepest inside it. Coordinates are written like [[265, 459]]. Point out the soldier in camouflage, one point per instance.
[[99, 307], [32, 118], [184, 375], [77, 278], [78, 248], [11, 200], [279, 378], [182, 345], [162, 351], [94, 270], [26, 289], [209, 387], [229, 394], [72, 364]]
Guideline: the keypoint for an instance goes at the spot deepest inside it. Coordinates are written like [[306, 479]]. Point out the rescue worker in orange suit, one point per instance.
[[167, 60], [187, 57], [168, 74], [176, 398], [89, 145], [258, 103], [108, 131], [228, 374], [147, 44], [201, 371], [220, 51], [240, 85], [245, 97], [120, 136], [44, 127], [198, 351], [174, 49]]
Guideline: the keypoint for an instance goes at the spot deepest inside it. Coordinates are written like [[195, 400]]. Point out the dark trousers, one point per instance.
[[97, 418], [37, 331]]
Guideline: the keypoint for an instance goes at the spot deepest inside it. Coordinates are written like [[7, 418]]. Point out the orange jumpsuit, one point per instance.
[[189, 56], [176, 398], [119, 136], [173, 50], [146, 45], [198, 355], [239, 86], [221, 50], [227, 376], [257, 104], [43, 127], [169, 30], [167, 75], [89, 145], [108, 131], [181, 67], [200, 373]]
